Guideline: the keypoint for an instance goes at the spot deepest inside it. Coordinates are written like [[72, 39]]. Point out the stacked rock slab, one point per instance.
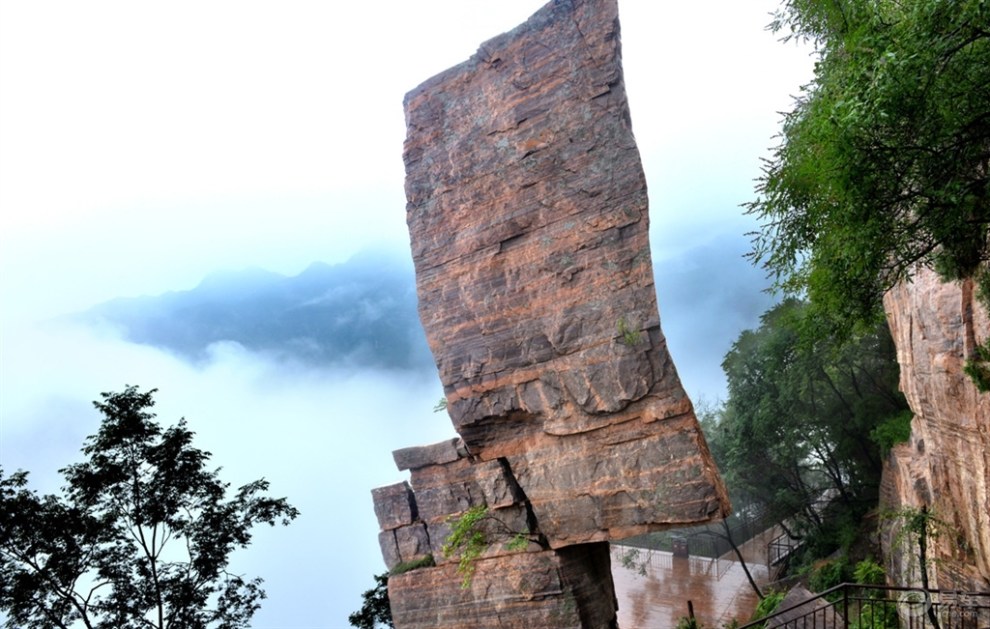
[[513, 587], [527, 213]]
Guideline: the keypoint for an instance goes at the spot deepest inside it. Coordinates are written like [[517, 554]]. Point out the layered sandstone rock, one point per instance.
[[936, 327], [523, 586], [527, 213], [567, 589]]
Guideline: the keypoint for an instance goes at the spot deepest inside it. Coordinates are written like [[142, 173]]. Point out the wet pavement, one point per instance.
[[653, 587]]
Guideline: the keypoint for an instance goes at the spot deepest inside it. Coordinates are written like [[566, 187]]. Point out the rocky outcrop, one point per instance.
[[809, 612], [527, 213], [513, 585], [522, 591], [946, 465]]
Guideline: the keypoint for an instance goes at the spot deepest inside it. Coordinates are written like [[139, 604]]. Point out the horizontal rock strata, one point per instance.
[[527, 214], [566, 589], [530, 586]]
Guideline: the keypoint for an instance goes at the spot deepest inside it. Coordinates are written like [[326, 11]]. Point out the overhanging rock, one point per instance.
[[527, 212]]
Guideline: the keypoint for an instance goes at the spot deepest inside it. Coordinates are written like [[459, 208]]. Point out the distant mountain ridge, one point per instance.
[[361, 313]]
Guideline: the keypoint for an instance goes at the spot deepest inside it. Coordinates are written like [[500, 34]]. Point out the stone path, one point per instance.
[[653, 587]]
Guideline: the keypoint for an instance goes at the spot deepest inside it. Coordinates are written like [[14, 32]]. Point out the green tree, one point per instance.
[[141, 536], [797, 423], [375, 611], [884, 161]]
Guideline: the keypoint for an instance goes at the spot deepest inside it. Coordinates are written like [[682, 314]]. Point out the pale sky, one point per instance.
[[144, 145]]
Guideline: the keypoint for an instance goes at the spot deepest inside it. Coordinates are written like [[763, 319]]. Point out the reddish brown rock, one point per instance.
[[434, 454], [564, 589], [527, 212], [405, 544], [936, 327], [394, 505], [445, 490]]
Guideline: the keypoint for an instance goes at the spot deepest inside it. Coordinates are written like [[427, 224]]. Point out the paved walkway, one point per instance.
[[653, 587], [755, 550]]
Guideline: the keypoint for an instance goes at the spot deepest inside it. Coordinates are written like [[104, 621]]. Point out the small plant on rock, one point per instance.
[[474, 532], [689, 622], [415, 564], [978, 368], [630, 336], [469, 539]]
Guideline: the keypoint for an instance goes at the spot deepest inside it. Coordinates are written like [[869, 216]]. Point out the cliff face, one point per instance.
[[527, 214], [946, 465]]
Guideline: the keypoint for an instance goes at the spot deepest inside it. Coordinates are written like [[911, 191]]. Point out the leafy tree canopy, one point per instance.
[[799, 429], [884, 162], [141, 536], [375, 612]]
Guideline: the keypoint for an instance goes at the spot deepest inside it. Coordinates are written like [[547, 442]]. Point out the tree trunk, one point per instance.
[[742, 561], [923, 560]]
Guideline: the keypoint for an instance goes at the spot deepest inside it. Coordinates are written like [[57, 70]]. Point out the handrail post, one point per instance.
[[845, 605]]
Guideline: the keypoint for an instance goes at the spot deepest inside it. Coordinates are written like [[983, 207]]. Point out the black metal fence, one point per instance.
[[780, 548], [708, 540], [779, 551], [646, 561], [883, 607]]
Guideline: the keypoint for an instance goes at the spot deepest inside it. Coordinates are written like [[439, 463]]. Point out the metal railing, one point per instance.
[[708, 540], [883, 607], [779, 551], [780, 548], [646, 560]]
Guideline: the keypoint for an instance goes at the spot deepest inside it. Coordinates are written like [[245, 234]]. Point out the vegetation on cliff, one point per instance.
[[375, 610], [142, 536], [883, 167], [884, 161], [803, 432]]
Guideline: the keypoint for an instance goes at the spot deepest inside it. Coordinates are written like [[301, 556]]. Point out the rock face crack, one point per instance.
[[531, 521], [528, 222]]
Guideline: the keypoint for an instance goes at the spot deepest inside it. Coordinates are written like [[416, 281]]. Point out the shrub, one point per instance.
[[875, 615], [630, 336], [467, 538], [686, 622], [869, 572], [892, 430], [978, 368], [768, 604], [828, 574], [415, 564]]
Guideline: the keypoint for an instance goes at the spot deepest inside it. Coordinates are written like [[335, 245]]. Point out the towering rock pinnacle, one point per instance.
[[527, 212]]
